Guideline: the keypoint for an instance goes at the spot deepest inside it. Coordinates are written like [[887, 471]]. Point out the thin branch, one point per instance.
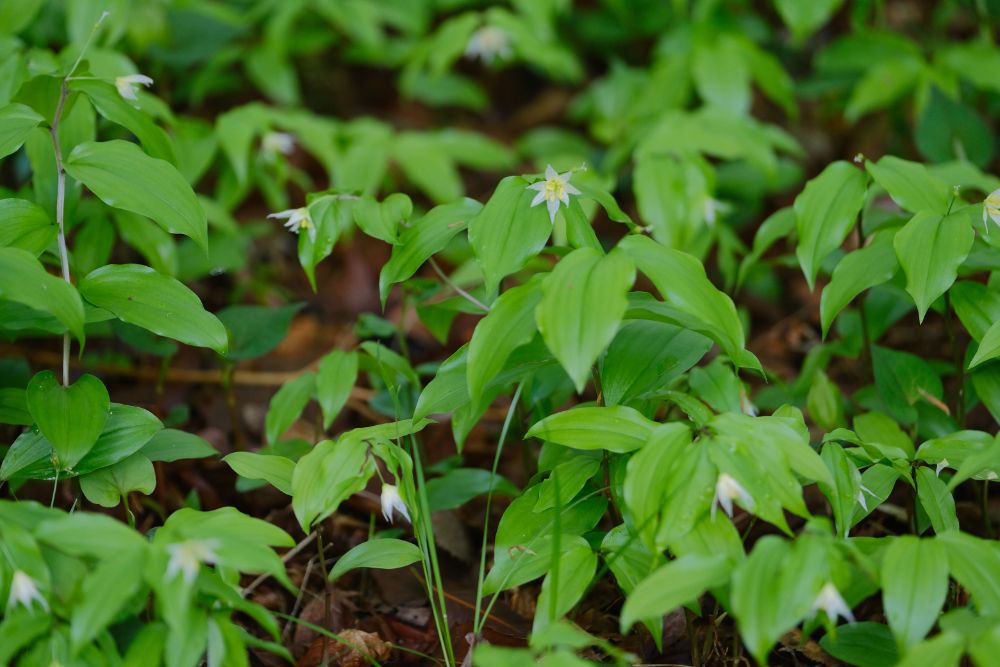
[[461, 292]]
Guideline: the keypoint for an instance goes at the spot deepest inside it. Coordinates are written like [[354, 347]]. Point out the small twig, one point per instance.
[[289, 555], [458, 290]]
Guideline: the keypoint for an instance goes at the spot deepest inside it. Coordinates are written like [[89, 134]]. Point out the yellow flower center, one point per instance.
[[554, 189], [993, 204]]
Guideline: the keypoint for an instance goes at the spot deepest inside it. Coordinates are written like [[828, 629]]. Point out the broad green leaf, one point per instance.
[[671, 193], [755, 604], [71, 418], [989, 347], [256, 330], [562, 588], [825, 212], [973, 563], [845, 491], [509, 325], [424, 237], [382, 220], [14, 407], [25, 225], [425, 162], [459, 486], [910, 185], [570, 476], [155, 245], [287, 405], [508, 230], [864, 644], [936, 501], [91, 535], [902, 379], [382, 554], [825, 402], [173, 445], [106, 590], [24, 280], [16, 123], [914, 586], [335, 378], [866, 267], [139, 295], [648, 477], [681, 280], [943, 650], [117, 109], [331, 216], [930, 248], [976, 305], [122, 176], [679, 582], [275, 470], [616, 429], [805, 17], [720, 73], [108, 486], [583, 301], [882, 83], [646, 356], [949, 130], [326, 476]]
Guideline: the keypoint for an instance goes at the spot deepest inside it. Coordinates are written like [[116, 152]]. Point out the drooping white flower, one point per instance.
[[861, 497], [555, 189], [392, 502], [832, 603], [127, 85], [273, 143], [942, 464], [489, 43], [296, 220], [727, 489], [24, 591], [188, 556], [991, 209]]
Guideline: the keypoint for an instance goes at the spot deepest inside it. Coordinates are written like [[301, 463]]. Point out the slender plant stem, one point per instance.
[[489, 501], [958, 398], [326, 590], [55, 487], [458, 290]]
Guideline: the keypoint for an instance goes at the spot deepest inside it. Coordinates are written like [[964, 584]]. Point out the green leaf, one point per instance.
[[332, 216], [902, 379], [671, 193], [864, 644], [459, 486], [335, 378], [382, 220], [989, 347], [805, 17], [646, 356], [563, 588], [71, 418], [382, 554], [117, 109], [108, 486], [425, 162], [882, 83], [508, 230], [326, 476], [173, 445], [139, 295], [275, 470], [287, 405], [16, 123], [571, 477], [256, 330], [844, 492], [862, 269], [930, 249], [25, 225], [977, 306], [825, 212], [509, 325], [24, 280], [974, 564], [936, 501], [677, 583], [106, 590], [423, 238], [948, 130], [914, 586], [583, 301], [681, 280], [911, 185], [124, 177], [616, 429]]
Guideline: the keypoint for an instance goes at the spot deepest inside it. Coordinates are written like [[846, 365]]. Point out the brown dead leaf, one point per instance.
[[356, 649]]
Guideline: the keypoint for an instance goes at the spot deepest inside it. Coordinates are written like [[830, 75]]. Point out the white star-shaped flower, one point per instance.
[[991, 209], [727, 489], [127, 85], [392, 502], [489, 43], [24, 591], [832, 603], [555, 189], [188, 556], [273, 143], [296, 220]]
